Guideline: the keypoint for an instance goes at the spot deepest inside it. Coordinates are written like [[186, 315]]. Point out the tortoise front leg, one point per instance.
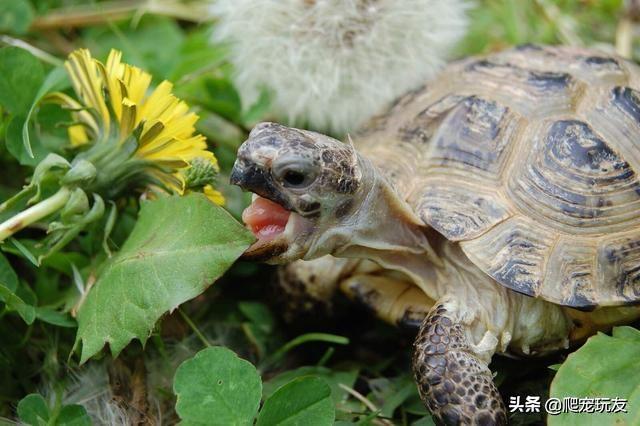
[[392, 298], [454, 380]]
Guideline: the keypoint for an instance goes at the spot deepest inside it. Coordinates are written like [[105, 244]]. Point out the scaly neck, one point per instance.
[[384, 229]]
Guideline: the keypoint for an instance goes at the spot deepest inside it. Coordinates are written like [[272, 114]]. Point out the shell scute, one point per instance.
[[474, 134], [513, 252], [458, 214], [422, 127], [573, 178], [529, 91], [620, 258], [529, 158], [628, 101], [570, 276]]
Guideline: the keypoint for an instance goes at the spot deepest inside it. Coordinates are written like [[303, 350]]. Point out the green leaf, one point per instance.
[[33, 410], [217, 387], [258, 110], [299, 340], [584, 374], [16, 143], [15, 16], [25, 252], [140, 44], [73, 415], [53, 317], [425, 421], [8, 276], [197, 55], [55, 80], [259, 314], [215, 94], [21, 75], [304, 401], [15, 303], [178, 247], [333, 377], [628, 333], [392, 392]]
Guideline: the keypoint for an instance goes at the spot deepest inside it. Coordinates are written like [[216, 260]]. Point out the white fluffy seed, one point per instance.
[[331, 64]]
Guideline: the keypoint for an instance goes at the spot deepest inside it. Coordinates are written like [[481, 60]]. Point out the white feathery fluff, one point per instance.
[[90, 388], [331, 64]]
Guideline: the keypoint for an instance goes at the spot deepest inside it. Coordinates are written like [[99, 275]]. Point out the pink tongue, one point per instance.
[[265, 218]]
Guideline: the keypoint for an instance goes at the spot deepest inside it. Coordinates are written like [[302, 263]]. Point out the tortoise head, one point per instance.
[[305, 184]]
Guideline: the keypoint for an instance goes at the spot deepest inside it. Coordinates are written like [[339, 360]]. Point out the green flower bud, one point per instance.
[[82, 171], [202, 172], [97, 210], [43, 170], [78, 204]]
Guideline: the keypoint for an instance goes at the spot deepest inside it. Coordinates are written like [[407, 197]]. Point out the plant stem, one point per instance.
[[565, 25], [624, 38], [195, 329], [38, 53], [82, 16], [34, 213]]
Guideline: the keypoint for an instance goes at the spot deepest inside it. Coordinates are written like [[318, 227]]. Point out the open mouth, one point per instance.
[[266, 219], [274, 227]]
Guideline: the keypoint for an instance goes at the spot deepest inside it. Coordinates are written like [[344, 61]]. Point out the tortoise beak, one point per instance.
[[254, 178], [246, 176]]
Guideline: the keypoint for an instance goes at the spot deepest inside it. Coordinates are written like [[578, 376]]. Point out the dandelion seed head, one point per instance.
[[334, 63]]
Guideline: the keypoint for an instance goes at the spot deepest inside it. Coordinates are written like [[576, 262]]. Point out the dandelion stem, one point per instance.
[[34, 213]]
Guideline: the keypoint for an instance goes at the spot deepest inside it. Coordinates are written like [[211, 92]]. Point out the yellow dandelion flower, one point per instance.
[[214, 195], [117, 111]]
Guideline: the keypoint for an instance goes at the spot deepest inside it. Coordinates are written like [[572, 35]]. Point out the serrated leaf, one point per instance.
[[15, 16], [215, 387], [21, 75], [584, 374], [178, 247], [303, 401]]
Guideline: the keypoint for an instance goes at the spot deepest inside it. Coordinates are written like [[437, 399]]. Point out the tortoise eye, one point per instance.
[[295, 173], [294, 178]]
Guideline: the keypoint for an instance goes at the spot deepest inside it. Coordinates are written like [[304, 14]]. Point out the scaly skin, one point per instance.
[[455, 384]]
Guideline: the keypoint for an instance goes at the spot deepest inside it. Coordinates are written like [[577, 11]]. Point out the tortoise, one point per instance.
[[497, 206]]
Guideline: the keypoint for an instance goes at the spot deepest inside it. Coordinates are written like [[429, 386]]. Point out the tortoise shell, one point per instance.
[[528, 158]]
